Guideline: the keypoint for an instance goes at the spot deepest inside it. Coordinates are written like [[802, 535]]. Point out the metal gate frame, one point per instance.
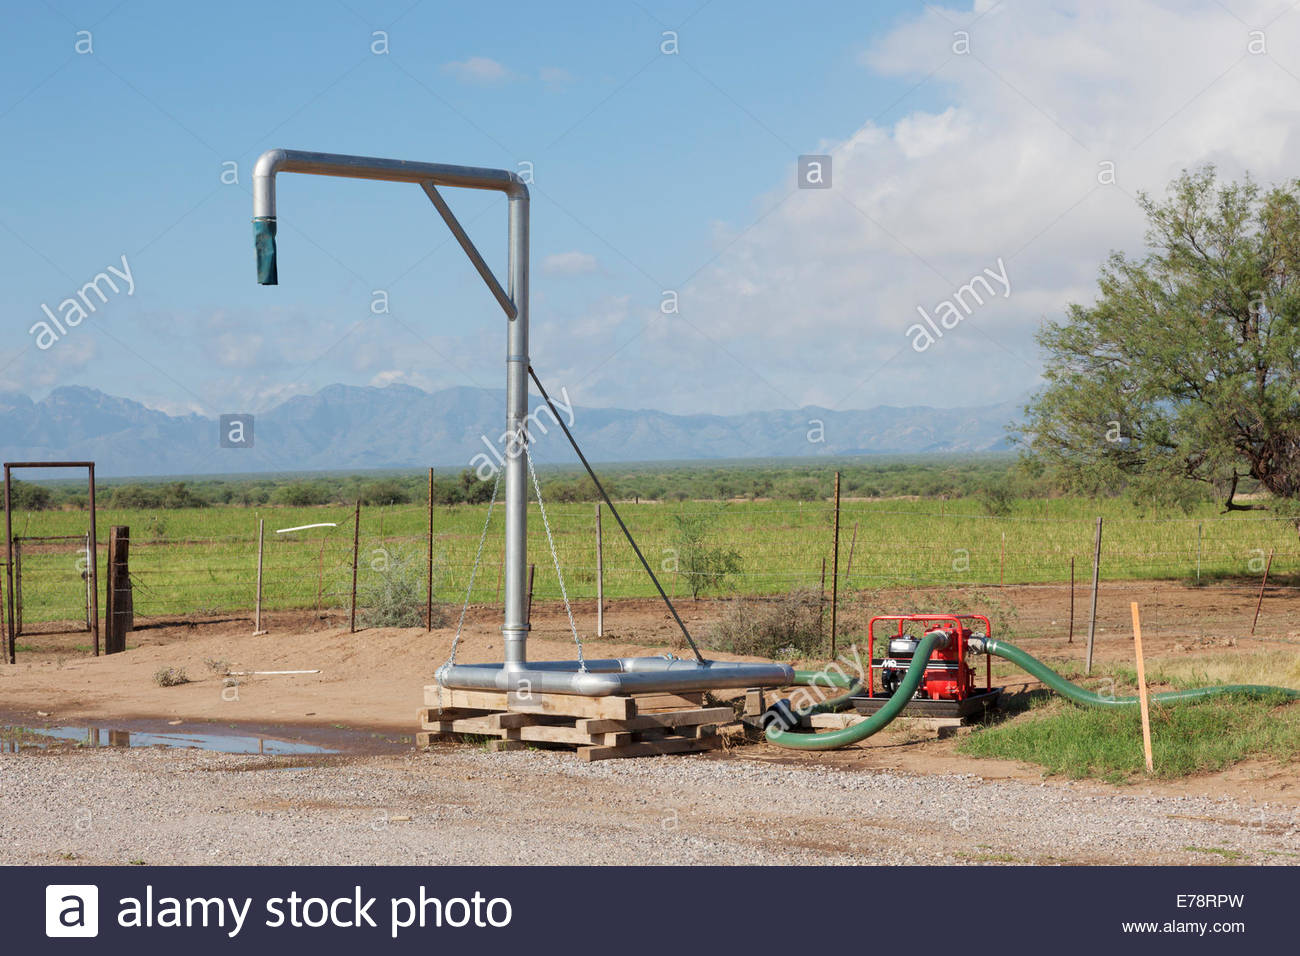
[[10, 614]]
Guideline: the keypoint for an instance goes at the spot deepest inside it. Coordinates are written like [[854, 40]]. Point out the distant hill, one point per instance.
[[345, 427]]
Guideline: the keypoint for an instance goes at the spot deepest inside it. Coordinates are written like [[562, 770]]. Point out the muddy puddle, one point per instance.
[[18, 735]]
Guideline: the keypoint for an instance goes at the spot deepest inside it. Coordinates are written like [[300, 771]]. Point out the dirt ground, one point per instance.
[[373, 680], [903, 797]]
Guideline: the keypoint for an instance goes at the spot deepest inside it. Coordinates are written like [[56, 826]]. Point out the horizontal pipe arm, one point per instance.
[[275, 161]]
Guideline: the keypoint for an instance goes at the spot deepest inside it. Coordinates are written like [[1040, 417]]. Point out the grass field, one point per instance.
[[203, 560], [1186, 738]]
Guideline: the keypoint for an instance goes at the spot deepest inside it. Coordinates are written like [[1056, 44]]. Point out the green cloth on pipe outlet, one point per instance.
[[264, 243]]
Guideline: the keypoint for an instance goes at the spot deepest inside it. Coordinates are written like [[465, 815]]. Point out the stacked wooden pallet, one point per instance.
[[602, 728]]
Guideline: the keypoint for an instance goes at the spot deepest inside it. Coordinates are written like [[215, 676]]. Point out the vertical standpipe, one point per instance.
[[513, 300], [589, 678]]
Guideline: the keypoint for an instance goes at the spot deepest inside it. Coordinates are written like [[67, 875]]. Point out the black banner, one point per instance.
[[192, 910]]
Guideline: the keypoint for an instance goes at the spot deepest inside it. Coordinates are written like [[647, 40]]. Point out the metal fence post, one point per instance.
[[1092, 620]]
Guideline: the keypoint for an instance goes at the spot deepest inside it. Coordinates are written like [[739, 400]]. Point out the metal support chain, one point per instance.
[[617, 517], [555, 556], [469, 591]]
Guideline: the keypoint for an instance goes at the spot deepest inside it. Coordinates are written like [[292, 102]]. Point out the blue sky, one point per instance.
[[653, 171]]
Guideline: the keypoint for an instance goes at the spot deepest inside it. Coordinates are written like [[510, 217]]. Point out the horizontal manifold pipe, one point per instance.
[[614, 676]]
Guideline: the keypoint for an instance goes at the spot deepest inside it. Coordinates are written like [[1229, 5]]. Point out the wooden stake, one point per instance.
[[1262, 584], [1092, 618], [428, 614], [1142, 688], [1002, 562], [600, 578], [356, 546], [1071, 638], [257, 612], [835, 567]]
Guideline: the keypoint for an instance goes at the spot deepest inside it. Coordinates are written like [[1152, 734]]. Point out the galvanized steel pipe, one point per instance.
[[621, 676]]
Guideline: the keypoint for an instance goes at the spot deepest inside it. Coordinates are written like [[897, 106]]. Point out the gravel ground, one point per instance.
[[461, 805]]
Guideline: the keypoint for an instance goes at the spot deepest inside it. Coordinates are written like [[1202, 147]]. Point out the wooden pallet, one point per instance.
[[602, 728]]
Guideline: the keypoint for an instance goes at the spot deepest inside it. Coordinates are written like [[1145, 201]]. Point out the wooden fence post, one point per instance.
[[119, 610], [835, 567], [356, 548], [1092, 618], [600, 578]]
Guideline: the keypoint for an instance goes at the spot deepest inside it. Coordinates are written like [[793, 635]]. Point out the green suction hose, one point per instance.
[[833, 739], [1087, 698], [852, 685]]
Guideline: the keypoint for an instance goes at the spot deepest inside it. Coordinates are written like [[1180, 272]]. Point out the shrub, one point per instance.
[[784, 627], [705, 567], [29, 497], [473, 489], [385, 491], [136, 497], [300, 494], [170, 677], [394, 594], [997, 498]]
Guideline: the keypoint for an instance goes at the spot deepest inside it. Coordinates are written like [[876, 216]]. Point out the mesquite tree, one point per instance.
[[1185, 366]]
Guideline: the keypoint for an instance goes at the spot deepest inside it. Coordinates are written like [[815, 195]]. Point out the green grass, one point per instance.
[[1185, 738], [203, 560], [1230, 855]]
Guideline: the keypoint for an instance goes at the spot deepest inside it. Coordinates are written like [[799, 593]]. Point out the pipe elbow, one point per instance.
[[264, 171], [269, 163], [517, 188]]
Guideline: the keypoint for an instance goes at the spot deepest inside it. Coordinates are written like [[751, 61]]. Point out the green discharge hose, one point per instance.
[[1087, 698], [833, 739]]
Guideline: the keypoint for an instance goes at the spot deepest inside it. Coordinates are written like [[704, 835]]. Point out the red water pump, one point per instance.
[[948, 676]]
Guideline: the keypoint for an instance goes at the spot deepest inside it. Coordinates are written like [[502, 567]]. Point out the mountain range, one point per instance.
[[344, 427]]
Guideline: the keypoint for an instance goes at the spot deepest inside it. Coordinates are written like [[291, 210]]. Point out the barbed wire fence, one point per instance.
[[778, 547]]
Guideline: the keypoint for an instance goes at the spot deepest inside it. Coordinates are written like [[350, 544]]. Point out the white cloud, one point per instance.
[[479, 70], [812, 304], [569, 264]]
